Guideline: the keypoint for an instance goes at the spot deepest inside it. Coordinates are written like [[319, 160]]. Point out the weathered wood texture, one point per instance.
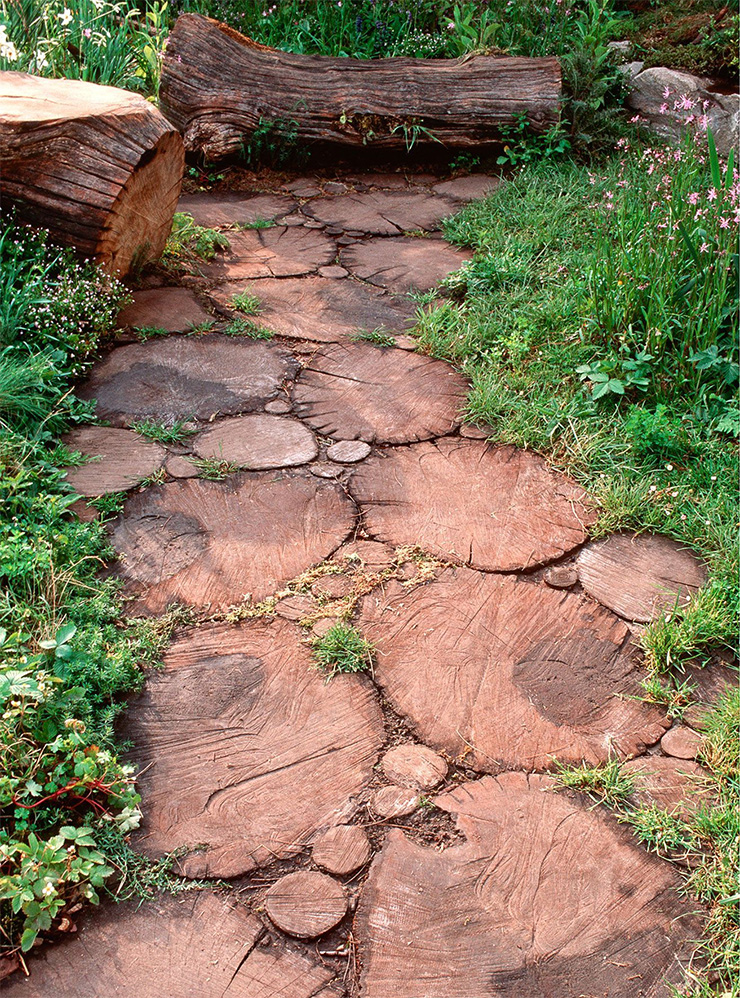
[[99, 167], [217, 85], [306, 904]]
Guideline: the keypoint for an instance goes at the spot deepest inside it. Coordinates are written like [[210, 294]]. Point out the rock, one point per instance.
[[561, 576], [120, 459], [233, 208], [382, 213], [681, 742], [258, 441], [296, 607], [363, 392], [333, 586], [638, 575], [414, 766], [621, 48], [306, 904], [495, 508], [370, 555], [394, 802], [674, 785], [278, 407], [304, 188], [631, 69], [348, 451], [341, 850], [333, 272], [274, 252], [476, 185], [175, 309], [180, 467], [411, 263]]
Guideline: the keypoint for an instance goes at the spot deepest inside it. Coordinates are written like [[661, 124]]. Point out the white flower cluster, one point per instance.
[[7, 48]]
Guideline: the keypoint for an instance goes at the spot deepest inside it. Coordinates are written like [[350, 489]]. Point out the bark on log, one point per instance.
[[218, 86], [99, 167]]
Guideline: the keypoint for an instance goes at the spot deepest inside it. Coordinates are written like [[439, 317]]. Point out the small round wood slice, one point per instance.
[[678, 786], [258, 441], [364, 392], [681, 742], [414, 766], [495, 508], [341, 850], [306, 904], [120, 459], [186, 377], [212, 543], [280, 251], [246, 750], [637, 575], [507, 673], [406, 263], [476, 185], [232, 208], [175, 309], [382, 213], [545, 899]]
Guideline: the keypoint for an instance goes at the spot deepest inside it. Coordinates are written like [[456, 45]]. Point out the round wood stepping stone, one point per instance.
[[315, 308], [258, 441], [348, 451], [477, 185], [382, 213], [247, 751], [210, 543], [561, 576], [280, 251], [503, 672], [406, 263], [179, 378], [364, 392], [180, 467], [341, 850], [674, 785], [495, 508], [681, 742], [414, 766], [322, 626], [121, 459], [544, 899], [306, 904], [708, 684], [175, 309], [213, 210], [326, 470], [637, 575], [394, 802]]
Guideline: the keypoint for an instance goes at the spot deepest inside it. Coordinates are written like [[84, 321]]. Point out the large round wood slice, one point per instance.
[[501, 672], [258, 441], [196, 944], [246, 750], [306, 904], [382, 213], [120, 459], [232, 208], [546, 898], [315, 308], [405, 264], [381, 395], [212, 543], [495, 508], [99, 167], [179, 377], [280, 251], [175, 309], [637, 575]]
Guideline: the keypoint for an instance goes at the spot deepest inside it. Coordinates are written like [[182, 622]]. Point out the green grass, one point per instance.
[[247, 302], [376, 336], [607, 784], [343, 649], [214, 470], [245, 327], [188, 243], [163, 433]]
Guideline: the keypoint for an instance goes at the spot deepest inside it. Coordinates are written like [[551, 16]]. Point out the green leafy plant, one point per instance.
[[377, 336], [189, 242], [522, 145], [214, 470], [606, 784], [616, 375], [343, 649], [164, 433], [247, 302], [245, 327]]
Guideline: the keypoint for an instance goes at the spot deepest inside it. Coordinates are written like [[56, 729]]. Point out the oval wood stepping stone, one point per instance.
[[476, 185], [379, 395], [306, 904], [406, 263], [681, 742], [258, 441], [382, 213], [183, 377], [121, 459], [544, 899], [247, 750], [213, 210], [638, 574], [507, 673], [495, 508], [175, 309], [414, 766], [341, 850], [280, 251], [212, 543], [674, 785], [394, 802], [348, 451]]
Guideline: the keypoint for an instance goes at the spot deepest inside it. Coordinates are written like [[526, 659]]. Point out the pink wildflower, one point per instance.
[[686, 103], [704, 248], [724, 223], [664, 109], [693, 198], [711, 194], [667, 92]]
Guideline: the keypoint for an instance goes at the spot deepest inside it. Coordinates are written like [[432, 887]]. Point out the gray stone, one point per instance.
[[335, 187], [348, 451]]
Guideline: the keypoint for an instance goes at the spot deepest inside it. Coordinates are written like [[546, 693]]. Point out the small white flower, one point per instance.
[[65, 17]]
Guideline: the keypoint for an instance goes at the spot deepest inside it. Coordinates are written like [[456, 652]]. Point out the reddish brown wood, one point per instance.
[[306, 904], [414, 766], [218, 86], [119, 459], [99, 167], [341, 850]]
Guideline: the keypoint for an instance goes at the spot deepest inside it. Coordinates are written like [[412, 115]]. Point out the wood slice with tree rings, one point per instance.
[[279, 251], [377, 394], [498, 509], [636, 575], [382, 213], [414, 766], [258, 441], [218, 87], [679, 786], [234, 208], [545, 898], [99, 167], [502, 672], [120, 459], [408, 263], [246, 751], [175, 309], [180, 378], [306, 904], [211, 543], [341, 850]]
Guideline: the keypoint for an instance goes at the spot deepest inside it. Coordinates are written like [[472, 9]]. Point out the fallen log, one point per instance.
[[100, 168], [218, 87]]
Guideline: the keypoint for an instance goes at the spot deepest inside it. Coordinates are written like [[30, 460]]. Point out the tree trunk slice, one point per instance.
[[306, 904], [545, 899], [681, 742], [212, 544], [341, 850], [505, 673], [494, 508], [247, 750], [276, 252], [99, 167], [380, 395], [179, 378], [120, 459], [394, 802], [679, 786], [382, 213], [414, 766], [258, 441], [638, 575], [231, 208], [218, 86], [406, 264], [176, 310]]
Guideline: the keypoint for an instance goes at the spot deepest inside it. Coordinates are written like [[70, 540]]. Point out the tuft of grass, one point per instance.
[[188, 243], [343, 649], [109, 504], [605, 784], [161, 432], [144, 333], [245, 327], [258, 223], [213, 469], [376, 336], [247, 302]]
